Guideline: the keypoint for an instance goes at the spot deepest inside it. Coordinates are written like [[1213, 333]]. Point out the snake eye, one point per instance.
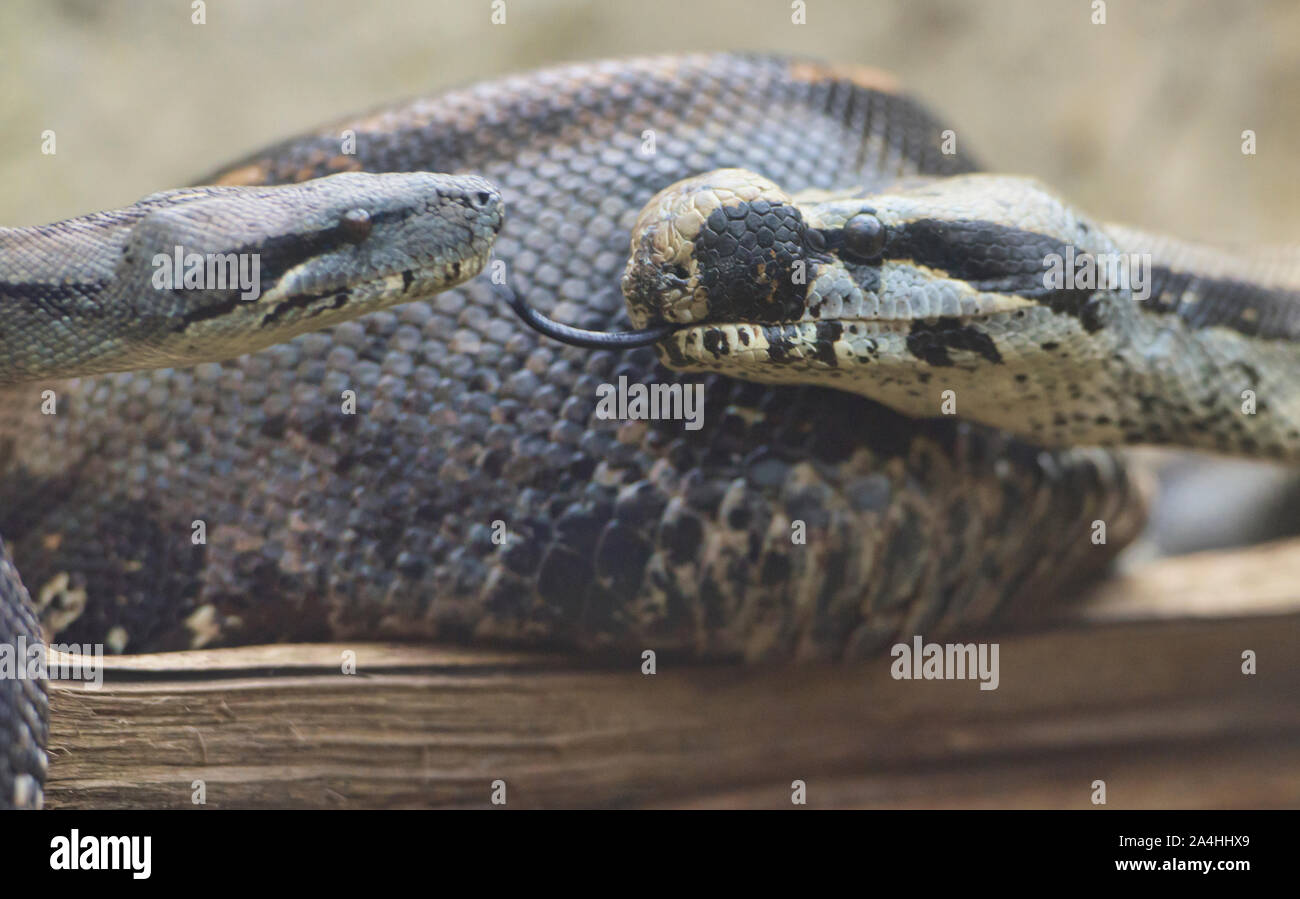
[[356, 225], [864, 236]]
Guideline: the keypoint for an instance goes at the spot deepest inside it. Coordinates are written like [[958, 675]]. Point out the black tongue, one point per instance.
[[592, 340]]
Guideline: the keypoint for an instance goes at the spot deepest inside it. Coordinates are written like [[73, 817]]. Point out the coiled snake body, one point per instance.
[[476, 494]]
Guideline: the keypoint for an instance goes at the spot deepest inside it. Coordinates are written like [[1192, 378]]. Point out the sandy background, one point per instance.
[[1138, 119]]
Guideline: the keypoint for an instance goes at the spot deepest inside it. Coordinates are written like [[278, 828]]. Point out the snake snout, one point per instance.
[[724, 246], [479, 196]]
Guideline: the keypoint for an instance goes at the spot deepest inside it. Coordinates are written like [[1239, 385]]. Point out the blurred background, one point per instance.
[[1138, 119]]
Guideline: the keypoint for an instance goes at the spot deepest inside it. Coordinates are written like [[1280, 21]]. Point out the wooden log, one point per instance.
[[1140, 686]]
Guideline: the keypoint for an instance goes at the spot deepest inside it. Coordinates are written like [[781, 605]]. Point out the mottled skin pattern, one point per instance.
[[622, 536], [940, 287]]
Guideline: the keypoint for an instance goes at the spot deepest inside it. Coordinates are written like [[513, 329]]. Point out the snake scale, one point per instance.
[[619, 534]]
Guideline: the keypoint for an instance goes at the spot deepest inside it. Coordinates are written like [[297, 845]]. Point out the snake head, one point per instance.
[[933, 283], [272, 262]]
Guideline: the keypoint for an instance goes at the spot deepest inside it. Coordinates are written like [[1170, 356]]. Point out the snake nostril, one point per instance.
[[482, 198]]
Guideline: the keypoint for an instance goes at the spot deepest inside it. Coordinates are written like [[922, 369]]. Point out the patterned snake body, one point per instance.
[[476, 494], [943, 287]]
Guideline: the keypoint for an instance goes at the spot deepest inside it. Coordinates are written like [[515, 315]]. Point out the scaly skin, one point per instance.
[[84, 296], [622, 535], [944, 287]]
